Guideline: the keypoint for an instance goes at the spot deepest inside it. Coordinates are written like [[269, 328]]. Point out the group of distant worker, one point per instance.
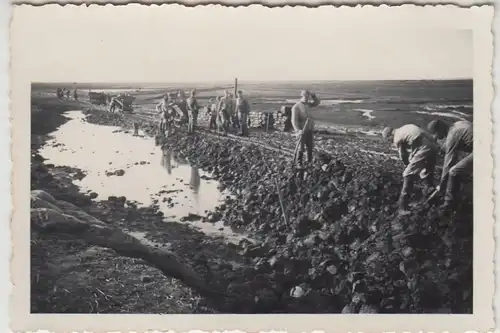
[[223, 114], [65, 93]]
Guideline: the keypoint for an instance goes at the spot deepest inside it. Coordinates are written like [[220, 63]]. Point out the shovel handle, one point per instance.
[[433, 195]]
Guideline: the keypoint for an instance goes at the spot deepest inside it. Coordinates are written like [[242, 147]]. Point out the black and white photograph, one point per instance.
[[258, 161]]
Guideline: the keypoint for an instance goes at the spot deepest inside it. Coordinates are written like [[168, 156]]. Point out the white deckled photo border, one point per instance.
[[24, 71]]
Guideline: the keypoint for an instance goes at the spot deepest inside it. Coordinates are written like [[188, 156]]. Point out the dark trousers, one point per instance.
[[235, 121], [222, 122], [456, 175], [243, 117], [213, 121], [306, 144]]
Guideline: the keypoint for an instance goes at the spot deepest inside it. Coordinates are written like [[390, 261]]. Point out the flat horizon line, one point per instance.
[[253, 81]]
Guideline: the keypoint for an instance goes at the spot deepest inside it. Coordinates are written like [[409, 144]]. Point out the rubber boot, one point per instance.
[[403, 202], [309, 157], [451, 193], [404, 197], [300, 158], [429, 186]]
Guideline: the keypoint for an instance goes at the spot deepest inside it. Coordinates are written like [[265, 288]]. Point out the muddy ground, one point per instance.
[[341, 249]]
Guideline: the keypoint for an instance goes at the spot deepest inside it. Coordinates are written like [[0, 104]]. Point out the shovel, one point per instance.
[[433, 194]]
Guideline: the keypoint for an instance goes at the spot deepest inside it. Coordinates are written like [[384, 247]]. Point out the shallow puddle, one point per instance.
[[120, 164]]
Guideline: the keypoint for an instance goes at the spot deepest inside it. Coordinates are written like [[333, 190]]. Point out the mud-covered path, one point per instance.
[[343, 250]]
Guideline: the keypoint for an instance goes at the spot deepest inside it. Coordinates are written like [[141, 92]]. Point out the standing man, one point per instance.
[[209, 113], [75, 95], [113, 104], [459, 138], [243, 110], [418, 151], [213, 113], [224, 112], [163, 110], [193, 108], [300, 116], [235, 121], [182, 104]]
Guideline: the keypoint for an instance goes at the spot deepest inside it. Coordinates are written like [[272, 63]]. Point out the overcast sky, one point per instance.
[[214, 43]]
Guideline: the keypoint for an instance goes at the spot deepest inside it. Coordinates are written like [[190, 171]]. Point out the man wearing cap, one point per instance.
[[459, 138], [193, 108], [418, 151], [161, 109], [114, 103], [182, 104], [164, 108], [300, 117], [243, 109], [212, 113], [224, 110]]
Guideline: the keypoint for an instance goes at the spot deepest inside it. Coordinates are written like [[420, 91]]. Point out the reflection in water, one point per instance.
[[166, 160], [144, 180], [170, 160], [195, 181]]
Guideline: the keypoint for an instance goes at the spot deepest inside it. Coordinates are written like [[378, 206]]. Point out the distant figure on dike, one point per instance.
[[193, 109], [242, 110], [163, 110], [223, 113]]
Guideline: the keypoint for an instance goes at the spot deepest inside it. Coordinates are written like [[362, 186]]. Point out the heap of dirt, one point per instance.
[[342, 247]]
